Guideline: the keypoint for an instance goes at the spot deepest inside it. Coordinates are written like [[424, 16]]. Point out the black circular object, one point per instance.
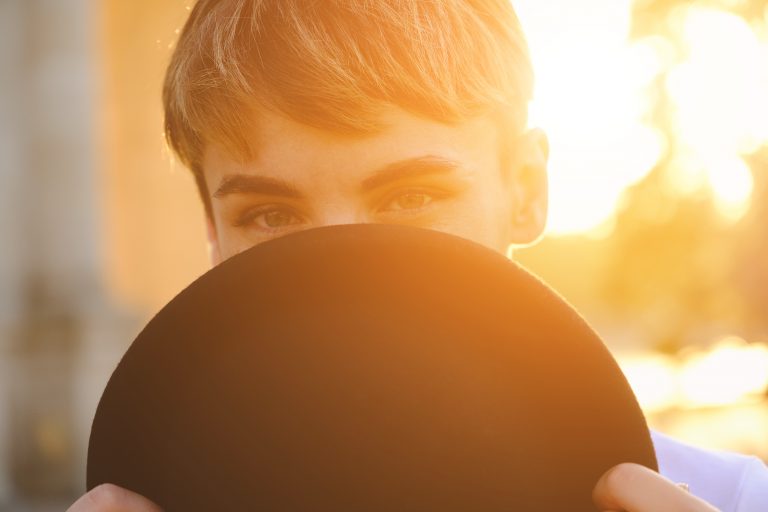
[[366, 369]]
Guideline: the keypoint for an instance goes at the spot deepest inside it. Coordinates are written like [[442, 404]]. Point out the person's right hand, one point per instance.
[[111, 498], [634, 488]]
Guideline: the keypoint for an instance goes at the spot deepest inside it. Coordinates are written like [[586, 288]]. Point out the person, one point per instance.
[[293, 114]]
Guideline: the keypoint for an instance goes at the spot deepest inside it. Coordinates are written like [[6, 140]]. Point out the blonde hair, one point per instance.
[[333, 64]]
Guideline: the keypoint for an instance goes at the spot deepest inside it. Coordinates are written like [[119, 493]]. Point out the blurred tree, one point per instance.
[[672, 256], [750, 269]]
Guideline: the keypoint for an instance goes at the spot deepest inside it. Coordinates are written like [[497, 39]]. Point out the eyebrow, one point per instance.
[[250, 184], [410, 168]]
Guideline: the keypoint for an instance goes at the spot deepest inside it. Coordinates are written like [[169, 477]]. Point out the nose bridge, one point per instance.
[[340, 213]]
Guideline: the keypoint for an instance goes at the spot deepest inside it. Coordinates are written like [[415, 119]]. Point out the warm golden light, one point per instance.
[[730, 373], [731, 181], [653, 378], [589, 99], [721, 105], [592, 98], [719, 90]]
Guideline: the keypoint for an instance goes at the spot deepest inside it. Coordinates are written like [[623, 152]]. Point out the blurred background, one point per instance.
[[657, 111]]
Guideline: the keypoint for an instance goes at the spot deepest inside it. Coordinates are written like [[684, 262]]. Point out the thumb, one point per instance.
[[634, 488]]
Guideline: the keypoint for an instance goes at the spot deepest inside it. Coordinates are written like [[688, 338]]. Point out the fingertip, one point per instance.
[[618, 477], [637, 488], [111, 498]]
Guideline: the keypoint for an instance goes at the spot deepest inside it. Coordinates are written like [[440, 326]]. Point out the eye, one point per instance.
[[269, 218], [409, 200]]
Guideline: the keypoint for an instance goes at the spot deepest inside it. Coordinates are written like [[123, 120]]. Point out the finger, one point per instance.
[[111, 498], [634, 488]]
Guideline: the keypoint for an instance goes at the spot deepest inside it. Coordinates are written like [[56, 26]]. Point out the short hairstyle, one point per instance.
[[333, 64]]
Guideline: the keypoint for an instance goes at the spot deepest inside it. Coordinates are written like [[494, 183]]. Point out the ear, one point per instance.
[[529, 188], [214, 251]]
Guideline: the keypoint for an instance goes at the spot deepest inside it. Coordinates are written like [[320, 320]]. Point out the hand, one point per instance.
[[111, 498], [626, 487], [634, 488]]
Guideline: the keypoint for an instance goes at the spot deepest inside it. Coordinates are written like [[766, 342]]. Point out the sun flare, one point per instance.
[[593, 99]]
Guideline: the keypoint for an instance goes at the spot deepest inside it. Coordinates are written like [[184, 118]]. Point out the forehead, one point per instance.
[[296, 152]]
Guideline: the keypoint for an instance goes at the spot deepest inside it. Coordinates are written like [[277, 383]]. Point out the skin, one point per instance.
[[634, 488], [466, 193], [414, 172], [623, 488]]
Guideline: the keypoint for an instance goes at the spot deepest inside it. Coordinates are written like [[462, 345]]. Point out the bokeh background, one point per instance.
[[657, 111]]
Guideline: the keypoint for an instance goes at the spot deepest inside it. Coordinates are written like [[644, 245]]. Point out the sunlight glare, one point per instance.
[[689, 176], [721, 105], [719, 90], [590, 98], [653, 378], [732, 372], [731, 181], [592, 94]]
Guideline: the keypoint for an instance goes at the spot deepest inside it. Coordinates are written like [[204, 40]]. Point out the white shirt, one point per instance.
[[729, 481]]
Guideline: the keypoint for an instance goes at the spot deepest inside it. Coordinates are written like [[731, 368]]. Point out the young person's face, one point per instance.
[[415, 172]]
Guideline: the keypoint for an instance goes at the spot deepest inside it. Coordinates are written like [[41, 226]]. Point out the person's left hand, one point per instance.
[[634, 488]]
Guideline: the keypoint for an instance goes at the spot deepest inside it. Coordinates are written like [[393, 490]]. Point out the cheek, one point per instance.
[[230, 241], [478, 218], [227, 249], [491, 220]]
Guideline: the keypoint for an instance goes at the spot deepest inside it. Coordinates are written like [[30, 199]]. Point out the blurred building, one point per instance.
[[71, 136], [59, 331]]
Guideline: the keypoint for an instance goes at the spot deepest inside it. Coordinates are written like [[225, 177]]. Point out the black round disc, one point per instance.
[[365, 369]]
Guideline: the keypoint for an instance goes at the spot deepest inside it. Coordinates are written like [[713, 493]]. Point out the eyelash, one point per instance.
[[434, 195], [248, 217]]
